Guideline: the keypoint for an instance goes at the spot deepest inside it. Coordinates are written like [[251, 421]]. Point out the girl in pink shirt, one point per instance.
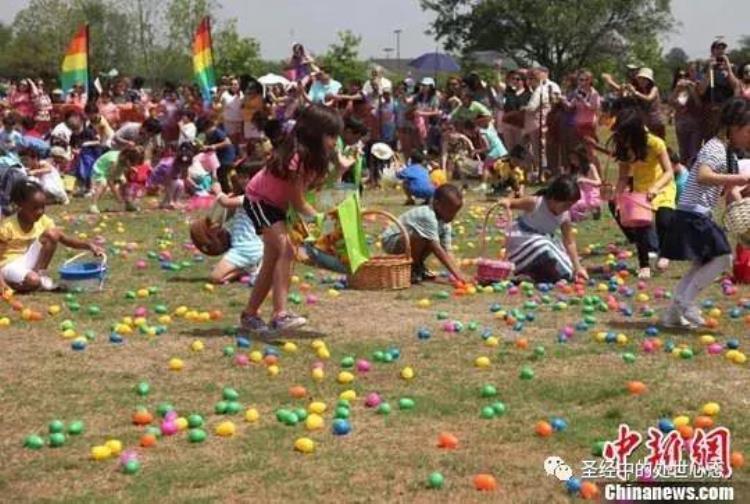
[[299, 164]]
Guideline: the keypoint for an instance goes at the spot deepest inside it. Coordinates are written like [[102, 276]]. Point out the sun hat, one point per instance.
[[718, 42], [427, 81], [382, 151], [646, 73]]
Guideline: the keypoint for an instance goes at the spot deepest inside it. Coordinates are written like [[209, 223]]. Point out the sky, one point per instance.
[[315, 24]]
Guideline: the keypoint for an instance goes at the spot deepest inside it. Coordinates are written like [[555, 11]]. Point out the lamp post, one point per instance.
[[398, 42], [388, 51]]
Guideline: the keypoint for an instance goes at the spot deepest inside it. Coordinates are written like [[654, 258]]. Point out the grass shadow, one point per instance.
[[638, 325]]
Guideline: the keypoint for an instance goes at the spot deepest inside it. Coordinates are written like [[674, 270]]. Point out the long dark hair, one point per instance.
[[735, 113], [306, 140], [630, 136], [561, 188], [583, 162]]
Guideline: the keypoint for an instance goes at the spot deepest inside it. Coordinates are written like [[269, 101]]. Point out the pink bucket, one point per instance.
[[635, 210]]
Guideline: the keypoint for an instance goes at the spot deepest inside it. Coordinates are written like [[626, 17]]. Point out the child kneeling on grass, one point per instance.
[[28, 241], [416, 180], [429, 233], [531, 244], [110, 171]]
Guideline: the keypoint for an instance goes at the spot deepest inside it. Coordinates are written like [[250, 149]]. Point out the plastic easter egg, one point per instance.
[[348, 395], [628, 357], [526, 373], [710, 409], [558, 424], [176, 364], [482, 362], [435, 480], [737, 460], [447, 441], [499, 408], [543, 429], [733, 344], [33, 442], [485, 482], [101, 452], [251, 415], [636, 387], [666, 425], [169, 428], [384, 409], [341, 427], [597, 448], [372, 400], [423, 333], [56, 439], [56, 426], [407, 373], [304, 445], [197, 435], [363, 366], [488, 391], [225, 429], [573, 485], [406, 403], [76, 428]]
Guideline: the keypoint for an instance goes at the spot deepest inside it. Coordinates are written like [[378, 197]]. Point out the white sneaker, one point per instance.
[[674, 318], [46, 283], [644, 274], [693, 315], [93, 209], [481, 188]]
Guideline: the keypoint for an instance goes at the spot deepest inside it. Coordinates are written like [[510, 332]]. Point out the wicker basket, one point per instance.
[[737, 217], [493, 270], [391, 272]]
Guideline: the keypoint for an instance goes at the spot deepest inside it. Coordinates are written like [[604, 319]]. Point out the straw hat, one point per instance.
[[382, 151], [646, 73]]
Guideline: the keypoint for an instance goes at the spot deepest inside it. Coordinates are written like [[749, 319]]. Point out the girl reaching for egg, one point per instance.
[[300, 164]]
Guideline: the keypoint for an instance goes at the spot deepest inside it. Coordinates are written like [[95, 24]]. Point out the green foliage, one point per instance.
[[561, 35], [234, 54], [342, 58]]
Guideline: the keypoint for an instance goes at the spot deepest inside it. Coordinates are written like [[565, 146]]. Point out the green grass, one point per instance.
[[386, 458]]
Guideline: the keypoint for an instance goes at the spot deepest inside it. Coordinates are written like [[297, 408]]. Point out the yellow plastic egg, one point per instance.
[[317, 407], [69, 334], [197, 346], [731, 354], [424, 303], [707, 339], [4, 322], [317, 343], [295, 279], [602, 287], [225, 429], [289, 347], [54, 309], [739, 358], [273, 370], [256, 356], [407, 373], [251, 415], [348, 395], [492, 341], [482, 362], [711, 409], [714, 313], [204, 316], [600, 337], [345, 377], [165, 319], [681, 420], [304, 445], [314, 422], [181, 311], [318, 374], [621, 339], [677, 352], [115, 446], [100, 452], [642, 297], [142, 293], [181, 423], [176, 364], [333, 293], [209, 287], [323, 353], [139, 321]]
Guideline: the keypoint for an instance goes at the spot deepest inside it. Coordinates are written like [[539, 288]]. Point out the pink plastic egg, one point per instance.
[[141, 311], [648, 346], [714, 349], [169, 428], [140, 264], [311, 299], [363, 366], [241, 360], [372, 400]]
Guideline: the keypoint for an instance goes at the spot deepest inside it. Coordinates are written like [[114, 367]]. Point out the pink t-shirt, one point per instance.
[[268, 188]]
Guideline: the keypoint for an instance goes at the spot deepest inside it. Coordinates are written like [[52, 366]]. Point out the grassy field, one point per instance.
[[386, 458]]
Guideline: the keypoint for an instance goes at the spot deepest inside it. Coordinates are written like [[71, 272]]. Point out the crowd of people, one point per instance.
[[257, 150]]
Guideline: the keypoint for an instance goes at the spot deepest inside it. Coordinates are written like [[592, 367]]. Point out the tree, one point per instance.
[[741, 54], [561, 35], [182, 17], [147, 20], [234, 54], [342, 58], [676, 58]]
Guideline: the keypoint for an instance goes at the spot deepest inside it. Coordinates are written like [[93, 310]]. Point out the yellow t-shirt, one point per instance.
[[646, 172], [14, 241]]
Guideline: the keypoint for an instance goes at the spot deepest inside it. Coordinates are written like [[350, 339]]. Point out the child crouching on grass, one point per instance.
[[531, 244], [246, 249], [110, 171], [429, 233], [28, 241], [299, 165]]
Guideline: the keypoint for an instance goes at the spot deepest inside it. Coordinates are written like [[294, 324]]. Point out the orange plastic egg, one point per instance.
[[543, 429], [485, 482]]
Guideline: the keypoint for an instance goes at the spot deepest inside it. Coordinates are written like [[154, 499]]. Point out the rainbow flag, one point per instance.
[[75, 65], [203, 60]]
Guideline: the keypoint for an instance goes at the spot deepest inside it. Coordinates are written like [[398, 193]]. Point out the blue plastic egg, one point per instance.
[[341, 427], [423, 333], [666, 425]]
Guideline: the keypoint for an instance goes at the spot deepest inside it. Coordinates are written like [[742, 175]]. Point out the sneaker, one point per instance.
[[644, 274], [46, 283], [481, 188], [93, 209], [693, 315], [287, 320], [674, 318], [253, 323], [417, 274]]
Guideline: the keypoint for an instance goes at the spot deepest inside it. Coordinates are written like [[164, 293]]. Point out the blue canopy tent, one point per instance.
[[435, 62]]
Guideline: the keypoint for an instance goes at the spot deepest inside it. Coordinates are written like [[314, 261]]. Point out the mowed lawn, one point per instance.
[[386, 458]]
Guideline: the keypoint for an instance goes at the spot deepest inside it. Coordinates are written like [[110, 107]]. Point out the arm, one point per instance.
[[445, 259], [651, 96], [666, 177], [525, 204], [229, 201], [707, 176], [300, 204], [609, 81], [224, 143], [623, 177], [594, 179], [74, 243], [569, 242]]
